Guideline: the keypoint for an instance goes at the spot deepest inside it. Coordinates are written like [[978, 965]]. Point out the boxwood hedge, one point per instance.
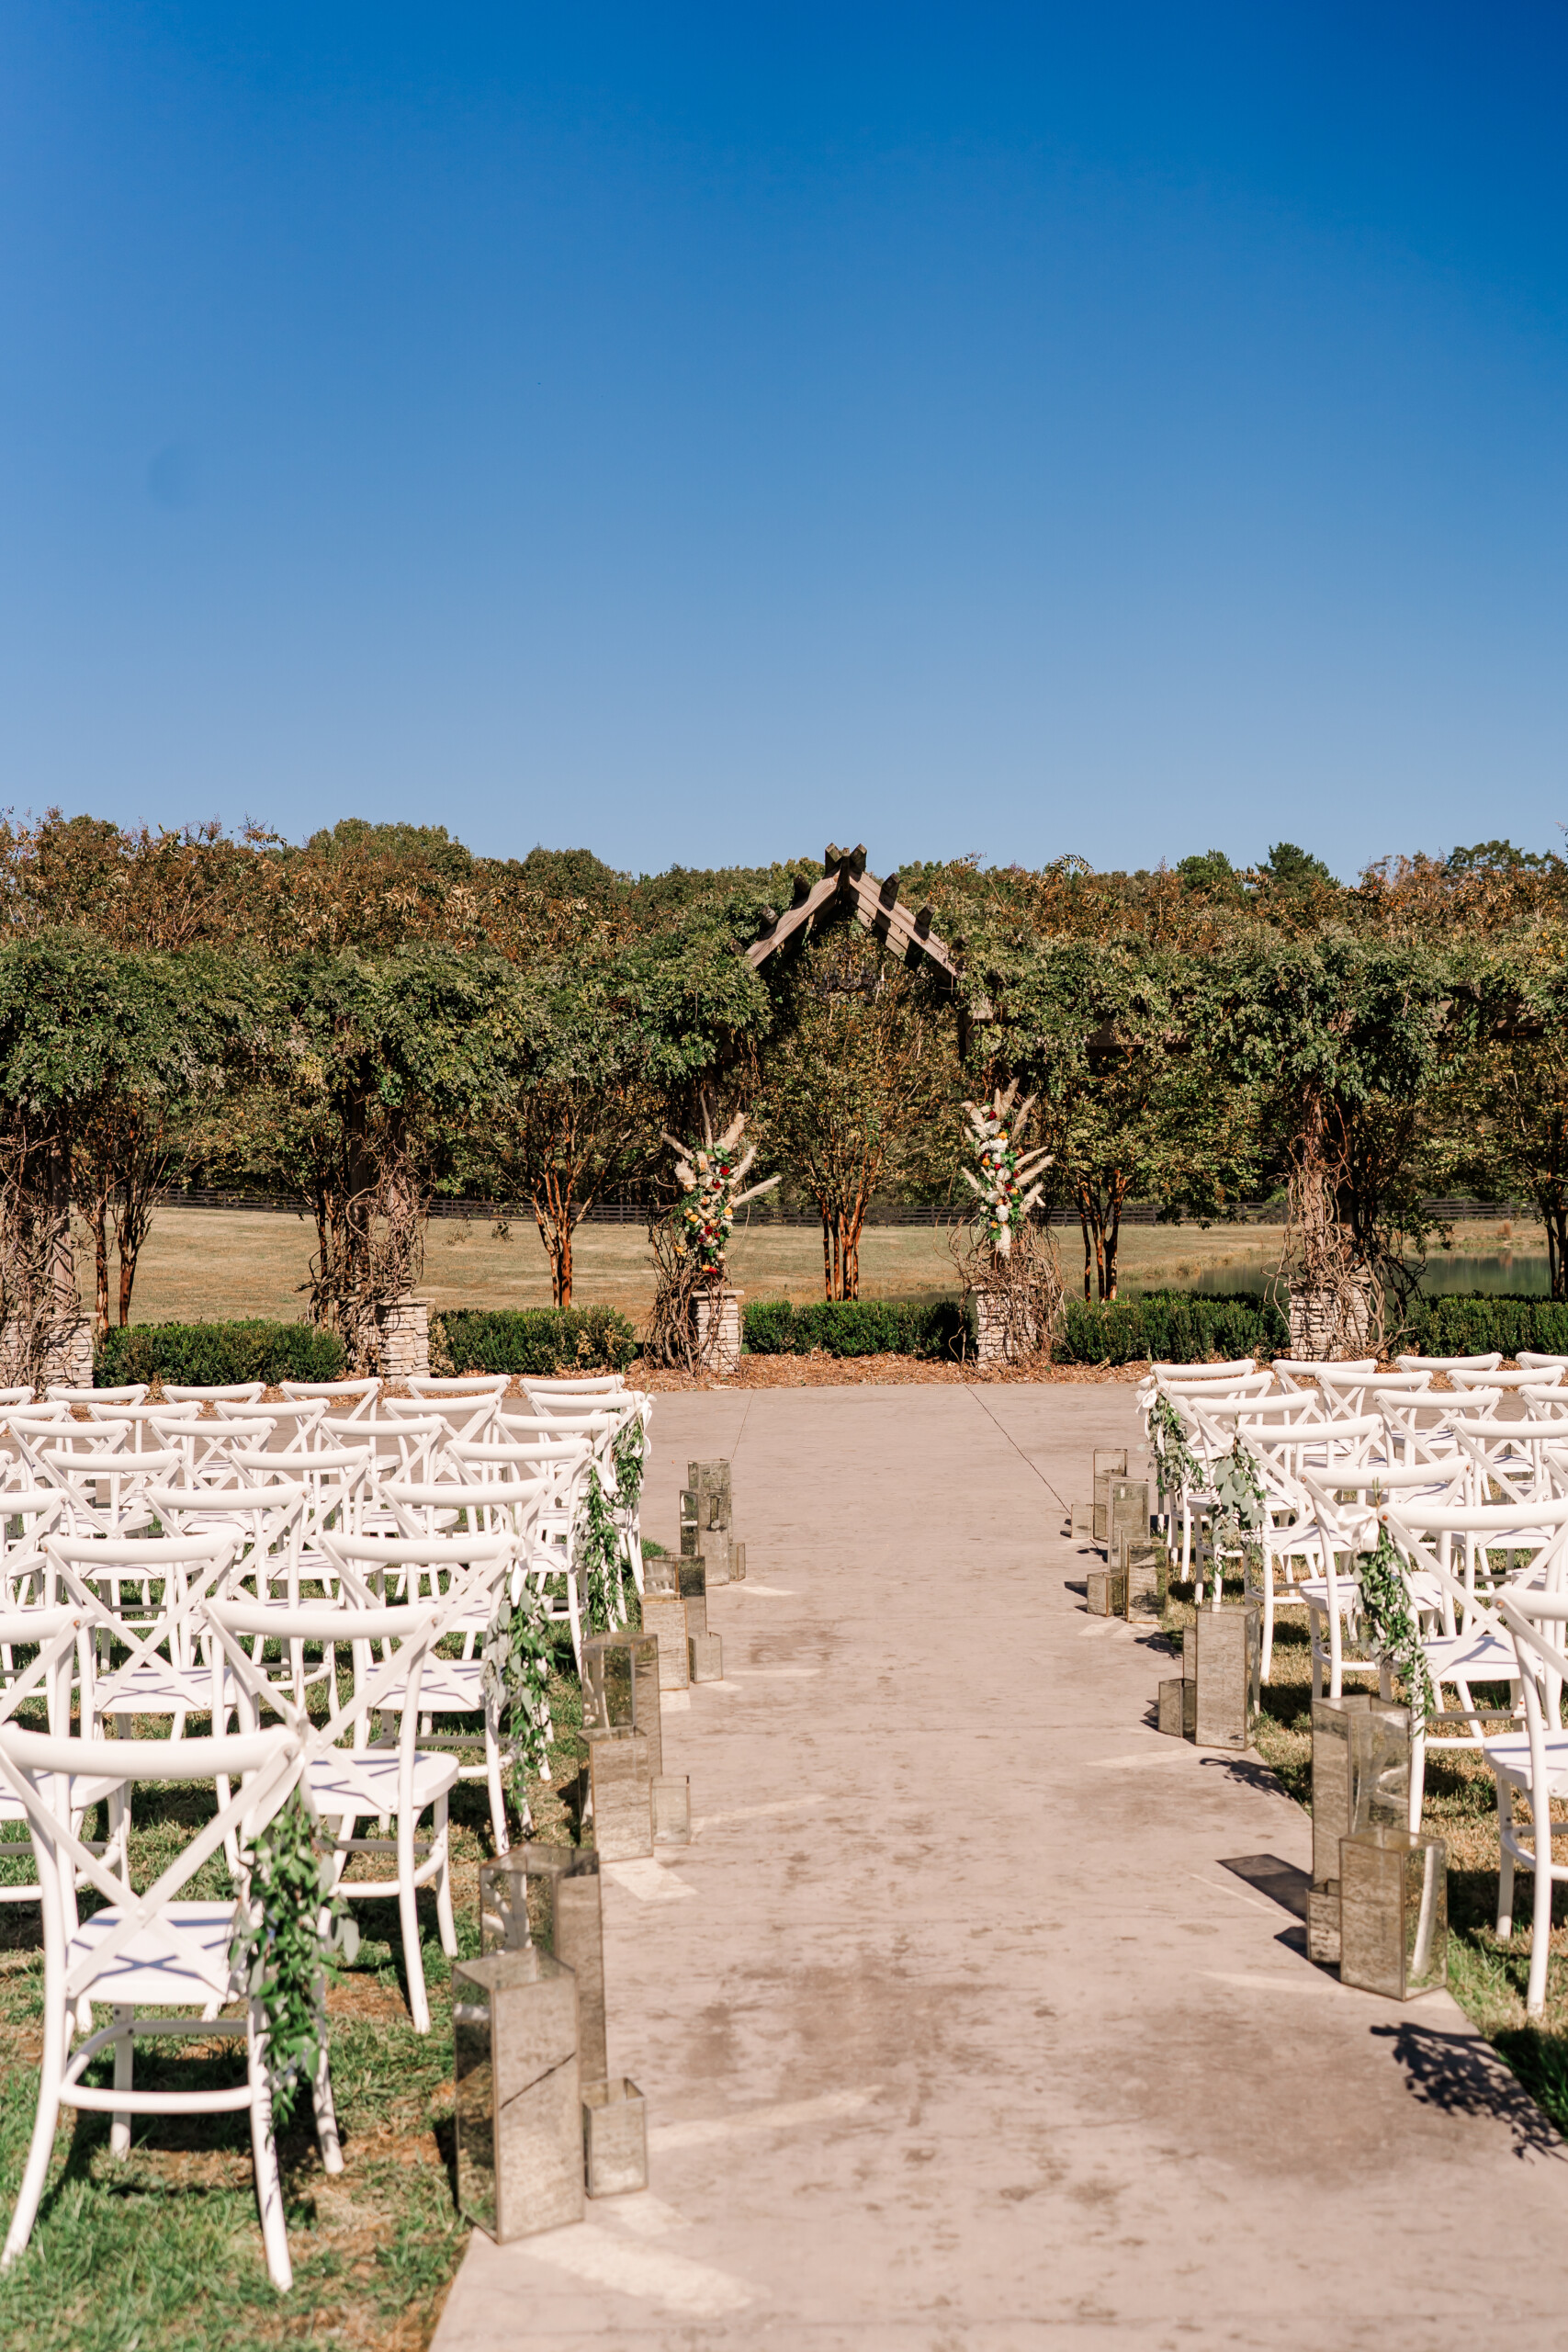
[[542, 1340], [216, 1354], [860, 1327]]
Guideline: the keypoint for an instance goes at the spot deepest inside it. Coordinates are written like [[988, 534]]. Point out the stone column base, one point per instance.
[[997, 1338], [718, 1330], [403, 1338], [1328, 1323], [67, 1357]]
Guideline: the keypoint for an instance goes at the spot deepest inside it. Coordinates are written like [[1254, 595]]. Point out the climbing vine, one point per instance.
[[287, 1925], [515, 1679], [1391, 1621]]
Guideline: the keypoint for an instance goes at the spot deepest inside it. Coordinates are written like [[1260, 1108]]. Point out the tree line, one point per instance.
[[376, 1015]]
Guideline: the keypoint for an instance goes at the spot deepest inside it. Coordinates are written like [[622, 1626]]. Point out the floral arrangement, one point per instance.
[[710, 1174], [1004, 1185]]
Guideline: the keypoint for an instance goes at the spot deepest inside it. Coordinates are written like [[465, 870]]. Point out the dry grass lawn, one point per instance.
[[213, 1264]]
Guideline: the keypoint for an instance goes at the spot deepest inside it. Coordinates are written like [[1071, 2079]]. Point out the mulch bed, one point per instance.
[[819, 1370]]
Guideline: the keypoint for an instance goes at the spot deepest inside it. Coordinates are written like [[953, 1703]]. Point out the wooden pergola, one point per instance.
[[846, 885]]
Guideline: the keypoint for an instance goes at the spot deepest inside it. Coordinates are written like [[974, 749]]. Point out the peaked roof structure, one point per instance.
[[846, 884]]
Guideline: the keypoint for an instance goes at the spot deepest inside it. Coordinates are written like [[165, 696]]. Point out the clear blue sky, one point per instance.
[[695, 432]]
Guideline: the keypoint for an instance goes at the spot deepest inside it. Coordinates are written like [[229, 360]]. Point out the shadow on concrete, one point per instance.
[[1243, 1771], [1463, 2076], [1283, 1882]]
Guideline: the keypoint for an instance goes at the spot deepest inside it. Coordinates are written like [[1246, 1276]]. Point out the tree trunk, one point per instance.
[[1554, 1215], [63, 1296], [553, 1214], [101, 1272], [1112, 1241], [855, 1223], [1088, 1249]]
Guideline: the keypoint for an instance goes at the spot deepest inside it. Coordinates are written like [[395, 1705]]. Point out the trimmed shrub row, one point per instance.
[[201, 1356], [1172, 1327], [1461, 1325], [1177, 1327], [542, 1340], [865, 1327]]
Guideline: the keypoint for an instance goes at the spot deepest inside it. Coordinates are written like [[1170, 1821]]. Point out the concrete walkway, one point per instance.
[[953, 2028]]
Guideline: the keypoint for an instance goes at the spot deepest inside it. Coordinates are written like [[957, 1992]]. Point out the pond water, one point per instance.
[[1521, 1273]]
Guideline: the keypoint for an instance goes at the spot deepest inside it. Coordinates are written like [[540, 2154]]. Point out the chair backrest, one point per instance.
[[474, 1384], [524, 1429], [62, 1646], [51, 1776], [1543, 1668], [1528, 1362], [135, 1393], [357, 1394], [1449, 1363], [404, 1632], [1461, 1377], [1292, 1371], [237, 1392]]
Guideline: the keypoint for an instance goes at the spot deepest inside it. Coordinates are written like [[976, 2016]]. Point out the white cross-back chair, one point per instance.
[[144, 1955], [107, 1493], [1532, 1764], [1461, 1641], [397, 1782], [508, 1474], [141, 1422], [1347, 1500], [422, 1570], [165, 1670], [63, 1657]]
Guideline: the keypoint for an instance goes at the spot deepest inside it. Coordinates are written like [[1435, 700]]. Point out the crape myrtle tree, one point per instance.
[[1109, 1039], [1505, 1102], [101, 1053], [608, 1041], [860, 1085], [1341, 1041], [376, 1069]]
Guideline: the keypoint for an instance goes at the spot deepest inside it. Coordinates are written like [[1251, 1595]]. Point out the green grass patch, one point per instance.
[[163, 2252]]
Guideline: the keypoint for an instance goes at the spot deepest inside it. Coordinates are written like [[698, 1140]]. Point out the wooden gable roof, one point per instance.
[[876, 905]]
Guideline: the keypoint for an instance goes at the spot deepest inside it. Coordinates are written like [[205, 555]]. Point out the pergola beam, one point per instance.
[[874, 905]]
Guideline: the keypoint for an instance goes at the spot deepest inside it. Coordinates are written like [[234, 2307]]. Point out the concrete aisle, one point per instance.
[[952, 2030]]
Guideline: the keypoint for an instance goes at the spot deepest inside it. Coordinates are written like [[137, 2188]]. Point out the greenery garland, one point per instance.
[[629, 1454], [287, 1926], [515, 1679], [1168, 1437], [1391, 1621], [597, 1545], [1243, 1506]]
